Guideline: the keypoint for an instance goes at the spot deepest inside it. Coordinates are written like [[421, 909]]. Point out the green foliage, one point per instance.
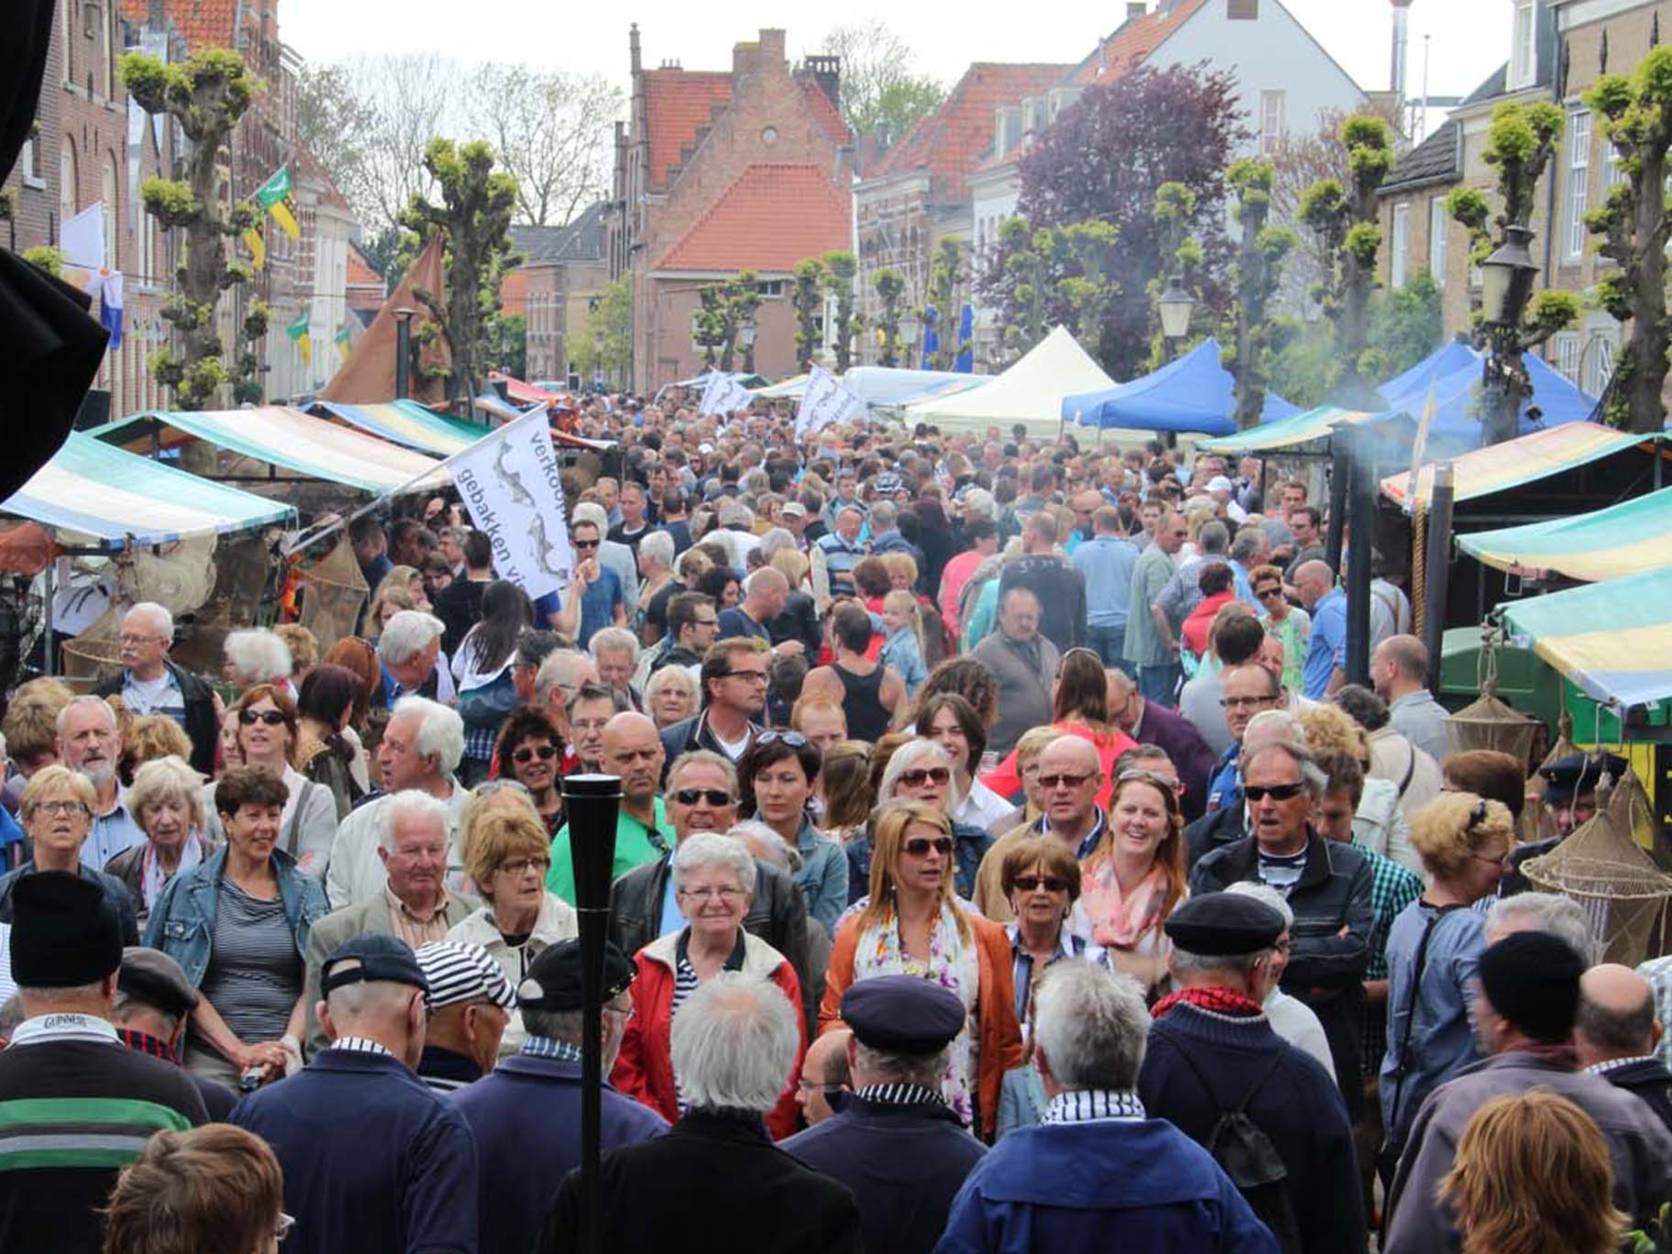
[[807, 298], [170, 202], [206, 93], [947, 276], [890, 285], [1257, 275], [1064, 274], [723, 309], [881, 93], [256, 319], [607, 346], [1366, 130], [1551, 311], [1362, 242], [46, 258], [840, 267], [511, 335], [1406, 324], [1304, 369]]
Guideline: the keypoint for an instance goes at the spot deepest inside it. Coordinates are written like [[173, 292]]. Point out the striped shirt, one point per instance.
[[255, 973], [1086, 1105], [1392, 888]]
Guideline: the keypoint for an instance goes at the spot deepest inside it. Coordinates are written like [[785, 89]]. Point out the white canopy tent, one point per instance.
[[1030, 392]]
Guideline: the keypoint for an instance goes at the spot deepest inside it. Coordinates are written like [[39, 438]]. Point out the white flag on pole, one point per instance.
[[722, 394], [1417, 448], [509, 483], [825, 401]]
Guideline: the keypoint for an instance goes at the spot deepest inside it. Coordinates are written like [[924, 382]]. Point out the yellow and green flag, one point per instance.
[[344, 340], [257, 246], [300, 336], [274, 197]]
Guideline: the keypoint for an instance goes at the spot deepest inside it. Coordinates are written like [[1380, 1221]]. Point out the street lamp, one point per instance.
[[1176, 307], [403, 349], [1507, 278], [911, 326], [1506, 284]]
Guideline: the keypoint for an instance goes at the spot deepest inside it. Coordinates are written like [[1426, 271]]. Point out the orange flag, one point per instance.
[[368, 376]]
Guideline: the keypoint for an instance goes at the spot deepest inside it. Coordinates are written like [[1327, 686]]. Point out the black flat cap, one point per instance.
[[554, 977], [1223, 925], [1567, 777], [371, 958], [152, 977], [64, 932], [903, 1014], [1532, 979]]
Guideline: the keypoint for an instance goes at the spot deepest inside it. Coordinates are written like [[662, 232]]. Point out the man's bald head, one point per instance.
[[632, 749], [824, 1073], [1074, 754], [1313, 580], [1616, 1016]]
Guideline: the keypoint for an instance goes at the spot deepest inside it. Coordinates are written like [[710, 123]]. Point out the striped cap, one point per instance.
[[458, 972]]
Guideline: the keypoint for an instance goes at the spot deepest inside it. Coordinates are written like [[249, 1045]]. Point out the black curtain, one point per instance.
[[50, 345]]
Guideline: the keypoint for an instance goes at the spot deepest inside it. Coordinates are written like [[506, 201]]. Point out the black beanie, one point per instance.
[[1532, 979], [64, 932]]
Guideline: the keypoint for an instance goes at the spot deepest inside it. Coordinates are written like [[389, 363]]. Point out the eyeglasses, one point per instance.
[[285, 1224], [717, 797], [793, 739], [1065, 779], [919, 776], [521, 866], [813, 1086], [919, 846], [60, 807], [250, 717], [709, 894], [1032, 883], [586, 544], [1277, 792], [1242, 703], [526, 755], [705, 622]]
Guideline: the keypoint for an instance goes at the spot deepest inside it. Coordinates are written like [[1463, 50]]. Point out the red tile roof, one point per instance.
[[953, 140], [204, 23], [826, 113], [771, 217], [679, 103], [1132, 42]]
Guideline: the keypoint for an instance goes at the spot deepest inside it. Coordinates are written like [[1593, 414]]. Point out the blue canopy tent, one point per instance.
[[1447, 359], [1191, 394]]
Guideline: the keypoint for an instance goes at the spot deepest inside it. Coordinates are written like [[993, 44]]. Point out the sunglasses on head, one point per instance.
[[794, 740], [919, 846], [918, 776], [271, 717], [1277, 792], [717, 797], [526, 754], [1031, 883]]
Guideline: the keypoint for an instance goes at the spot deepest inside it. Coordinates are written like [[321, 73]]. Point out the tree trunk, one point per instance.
[[1647, 346]]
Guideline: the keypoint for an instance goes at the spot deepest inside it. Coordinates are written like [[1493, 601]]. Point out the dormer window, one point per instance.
[[1523, 62]]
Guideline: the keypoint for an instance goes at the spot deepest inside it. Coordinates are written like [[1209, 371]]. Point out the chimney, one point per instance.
[[827, 73], [1401, 39], [632, 48], [1134, 8], [156, 15]]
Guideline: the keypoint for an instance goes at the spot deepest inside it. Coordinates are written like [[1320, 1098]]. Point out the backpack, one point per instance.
[[1245, 1153]]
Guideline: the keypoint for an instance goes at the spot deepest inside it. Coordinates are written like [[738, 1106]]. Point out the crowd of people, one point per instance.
[[1003, 863]]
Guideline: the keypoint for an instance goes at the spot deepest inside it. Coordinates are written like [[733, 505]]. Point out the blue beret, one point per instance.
[[903, 1014], [1217, 925], [1577, 773]]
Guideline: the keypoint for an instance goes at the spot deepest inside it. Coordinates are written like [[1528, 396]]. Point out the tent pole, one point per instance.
[[46, 616], [1441, 497]]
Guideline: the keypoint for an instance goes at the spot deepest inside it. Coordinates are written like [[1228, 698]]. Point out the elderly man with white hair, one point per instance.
[[255, 656], [615, 653], [420, 751], [734, 1045], [410, 653], [151, 684], [89, 743], [412, 843]]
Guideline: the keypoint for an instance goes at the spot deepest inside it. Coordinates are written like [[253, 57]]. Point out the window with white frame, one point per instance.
[[1438, 221], [1596, 363], [1579, 180], [1401, 244], [1271, 120], [1566, 346], [1524, 54]]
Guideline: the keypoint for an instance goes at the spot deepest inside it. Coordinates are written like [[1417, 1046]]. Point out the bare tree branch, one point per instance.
[[552, 130]]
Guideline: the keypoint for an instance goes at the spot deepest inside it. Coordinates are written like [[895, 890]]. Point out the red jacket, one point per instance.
[[644, 1068], [1194, 630]]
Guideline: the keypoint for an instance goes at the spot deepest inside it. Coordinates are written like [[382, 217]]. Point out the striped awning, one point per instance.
[[1612, 639], [98, 493], [1624, 539], [1306, 427], [1528, 458], [409, 424], [295, 441]]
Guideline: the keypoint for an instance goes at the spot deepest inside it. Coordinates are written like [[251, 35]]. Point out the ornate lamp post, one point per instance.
[[1176, 307], [1506, 286]]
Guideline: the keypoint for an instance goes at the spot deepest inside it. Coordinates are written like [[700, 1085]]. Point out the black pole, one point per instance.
[[591, 803], [1340, 470], [1361, 509], [1435, 569], [403, 354]]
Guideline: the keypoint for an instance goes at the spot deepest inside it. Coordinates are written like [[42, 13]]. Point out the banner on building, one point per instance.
[[509, 482], [302, 336], [274, 198], [344, 339], [723, 394], [825, 402]]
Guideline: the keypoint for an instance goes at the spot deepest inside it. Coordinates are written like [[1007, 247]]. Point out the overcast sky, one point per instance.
[[1470, 37]]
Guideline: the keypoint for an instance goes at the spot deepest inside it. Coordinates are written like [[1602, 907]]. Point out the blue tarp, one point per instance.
[[1194, 393]]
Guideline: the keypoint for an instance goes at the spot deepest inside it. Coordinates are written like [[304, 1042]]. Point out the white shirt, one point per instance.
[[981, 807], [1294, 1021]]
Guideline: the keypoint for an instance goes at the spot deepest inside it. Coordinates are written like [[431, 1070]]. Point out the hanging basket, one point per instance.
[[1489, 723], [333, 591]]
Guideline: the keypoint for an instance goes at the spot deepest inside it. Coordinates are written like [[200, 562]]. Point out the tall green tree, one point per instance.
[[606, 346], [205, 95], [1633, 225], [947, 275], [473, 219], [1059, 275], [1343, 219], [1255, 277], [807, 297], [891, 286], [1406, 324], [840, 268]]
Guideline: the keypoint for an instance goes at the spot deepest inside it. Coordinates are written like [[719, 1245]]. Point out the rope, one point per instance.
[[1419, 580]]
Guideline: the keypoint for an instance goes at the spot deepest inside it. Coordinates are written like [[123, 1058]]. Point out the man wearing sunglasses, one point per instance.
[[733, 680], [595, 599], [1327, 884]]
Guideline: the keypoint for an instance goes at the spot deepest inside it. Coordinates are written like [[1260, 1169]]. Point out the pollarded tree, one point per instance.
[[890, 285], [1343, 218], [807, 297], [1636, 116], [205, 95], [1061, 276], [840, 267], [946, 279], [473, 219], [1256, 277]]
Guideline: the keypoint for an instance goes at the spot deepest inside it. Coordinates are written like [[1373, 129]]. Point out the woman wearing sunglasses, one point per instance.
[[267, 737], [1041, 880], [911, 923], [1136, 876], [922, 770], [1289, 623], [777, 777], [529, 749]]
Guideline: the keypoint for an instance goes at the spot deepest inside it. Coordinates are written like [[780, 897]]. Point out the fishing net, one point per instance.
[[332, 592], [1489, 723], [1624, 895]]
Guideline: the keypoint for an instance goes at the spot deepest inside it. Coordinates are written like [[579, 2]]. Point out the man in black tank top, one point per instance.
[[868, 691]]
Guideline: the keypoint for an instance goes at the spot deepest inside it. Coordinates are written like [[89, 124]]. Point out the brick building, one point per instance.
[[719, 172], [563, 271], [364, 287]]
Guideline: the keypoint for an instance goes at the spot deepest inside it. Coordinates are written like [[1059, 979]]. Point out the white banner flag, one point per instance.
[[722, 394], [510, 485], [824, 402]]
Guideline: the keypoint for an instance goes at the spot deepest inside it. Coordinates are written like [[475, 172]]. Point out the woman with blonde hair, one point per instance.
[[217, 1187], [800, 617], [147, 738], [1136, 876], [1378, 824], [911, 923], [166, 799], [1532, 1175], [1433, 952]]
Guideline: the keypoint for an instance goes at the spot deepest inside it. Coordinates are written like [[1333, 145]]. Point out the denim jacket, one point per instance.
[[182, 922]]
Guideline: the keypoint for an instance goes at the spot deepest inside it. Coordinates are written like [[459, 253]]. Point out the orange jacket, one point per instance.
[[1000, 1036], [644, 1067]]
